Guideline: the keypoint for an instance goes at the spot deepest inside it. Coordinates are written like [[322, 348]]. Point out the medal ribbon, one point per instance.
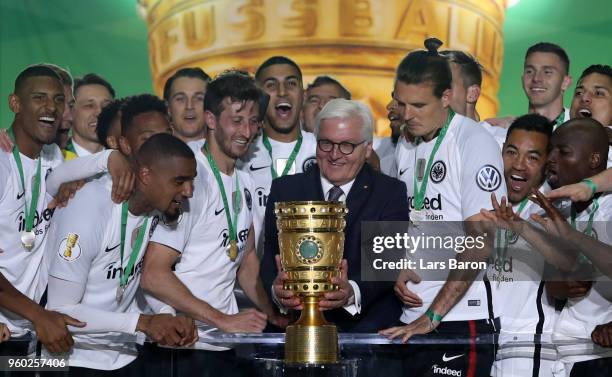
[[419, 192], [30, 210], [70, 146], [559, 120], [589, 229], [137, 244], [292, 156], [230, 224]]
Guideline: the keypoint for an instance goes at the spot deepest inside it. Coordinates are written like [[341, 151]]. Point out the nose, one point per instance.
[[98, 109], [585, 98], [519, 163], [187, 189], [408, 113], [282, 90], [190, 103], [552, 156], [537, 76], [335, 152]]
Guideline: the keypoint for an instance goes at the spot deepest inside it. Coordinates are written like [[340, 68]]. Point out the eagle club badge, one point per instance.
[[69, 248]]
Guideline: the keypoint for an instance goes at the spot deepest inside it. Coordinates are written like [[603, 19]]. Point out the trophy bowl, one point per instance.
[[311, 243]]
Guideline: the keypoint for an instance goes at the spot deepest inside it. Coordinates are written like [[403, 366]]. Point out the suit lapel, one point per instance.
[[313, 188], [359, 194]]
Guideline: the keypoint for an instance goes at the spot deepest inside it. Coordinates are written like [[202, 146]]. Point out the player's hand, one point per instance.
[[52, 331], [65, 193], [339, 298], [577, 192], [249, 320], [554, 223], [421, 325], [285, 297], [168, 330], [503, 122], [279, 320], [568, 289], [602, 335], [5, 334], [6, 144], [405, 295], [122, 175], [503, 216]]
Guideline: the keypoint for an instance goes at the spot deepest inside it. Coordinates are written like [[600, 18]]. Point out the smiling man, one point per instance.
[[283, 148], [91, 94], [344, 142], [516, 268]]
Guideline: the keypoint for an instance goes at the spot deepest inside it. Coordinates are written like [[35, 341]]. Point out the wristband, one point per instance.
[[433, 316], [590, 183]]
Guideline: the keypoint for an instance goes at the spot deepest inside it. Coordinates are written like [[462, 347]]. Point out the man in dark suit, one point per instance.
[[344, 141]]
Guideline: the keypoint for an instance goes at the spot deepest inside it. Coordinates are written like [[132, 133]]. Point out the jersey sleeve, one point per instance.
[[482, 172], [79, 168], [76, 236]]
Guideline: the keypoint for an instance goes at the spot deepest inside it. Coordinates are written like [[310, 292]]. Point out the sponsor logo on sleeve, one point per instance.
[[69, 248], [488, 178]]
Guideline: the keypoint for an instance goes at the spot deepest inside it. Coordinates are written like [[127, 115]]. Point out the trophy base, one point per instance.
[[311, 344]]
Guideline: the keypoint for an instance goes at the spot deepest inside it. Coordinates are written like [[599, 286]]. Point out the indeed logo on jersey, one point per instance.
[[242, 237], [434, 203], [47, 214], [113, 270], [261, 196], [446, 371]]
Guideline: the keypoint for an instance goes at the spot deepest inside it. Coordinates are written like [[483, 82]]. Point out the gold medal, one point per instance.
[[27, 239], [233, 250]]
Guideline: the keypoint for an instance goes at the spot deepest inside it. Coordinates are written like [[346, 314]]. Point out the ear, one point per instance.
[[447, 96], [112, 142], [145, 175], [369, 149], [14, 103], [567, 81], [211, 120], [473, 93], [124, 146], [595, 160], [168, 111]]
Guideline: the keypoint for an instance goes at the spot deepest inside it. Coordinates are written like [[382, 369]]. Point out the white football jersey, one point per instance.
[[580, 315], [95, 262], [465, 171], [24, 269], [524, 305], [202, 238], [257, 163]]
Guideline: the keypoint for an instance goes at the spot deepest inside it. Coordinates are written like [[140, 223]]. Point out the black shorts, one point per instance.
[[471, 359]]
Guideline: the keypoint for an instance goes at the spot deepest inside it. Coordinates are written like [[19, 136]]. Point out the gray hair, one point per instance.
[[344, 109]]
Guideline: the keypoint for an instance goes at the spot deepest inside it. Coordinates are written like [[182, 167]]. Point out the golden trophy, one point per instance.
[[359, 42], [311, 242]]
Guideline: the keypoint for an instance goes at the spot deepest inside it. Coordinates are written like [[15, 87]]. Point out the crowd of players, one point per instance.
[[133, 218]]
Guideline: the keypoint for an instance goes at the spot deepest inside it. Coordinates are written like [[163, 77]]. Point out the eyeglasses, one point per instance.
[[344, 147]]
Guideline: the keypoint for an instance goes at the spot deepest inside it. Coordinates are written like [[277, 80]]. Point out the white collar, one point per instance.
[[327, 185]]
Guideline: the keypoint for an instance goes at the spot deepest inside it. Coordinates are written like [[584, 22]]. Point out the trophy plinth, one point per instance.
[[311, 243]]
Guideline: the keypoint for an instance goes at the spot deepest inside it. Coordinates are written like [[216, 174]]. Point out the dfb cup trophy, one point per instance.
[[311, 242]]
